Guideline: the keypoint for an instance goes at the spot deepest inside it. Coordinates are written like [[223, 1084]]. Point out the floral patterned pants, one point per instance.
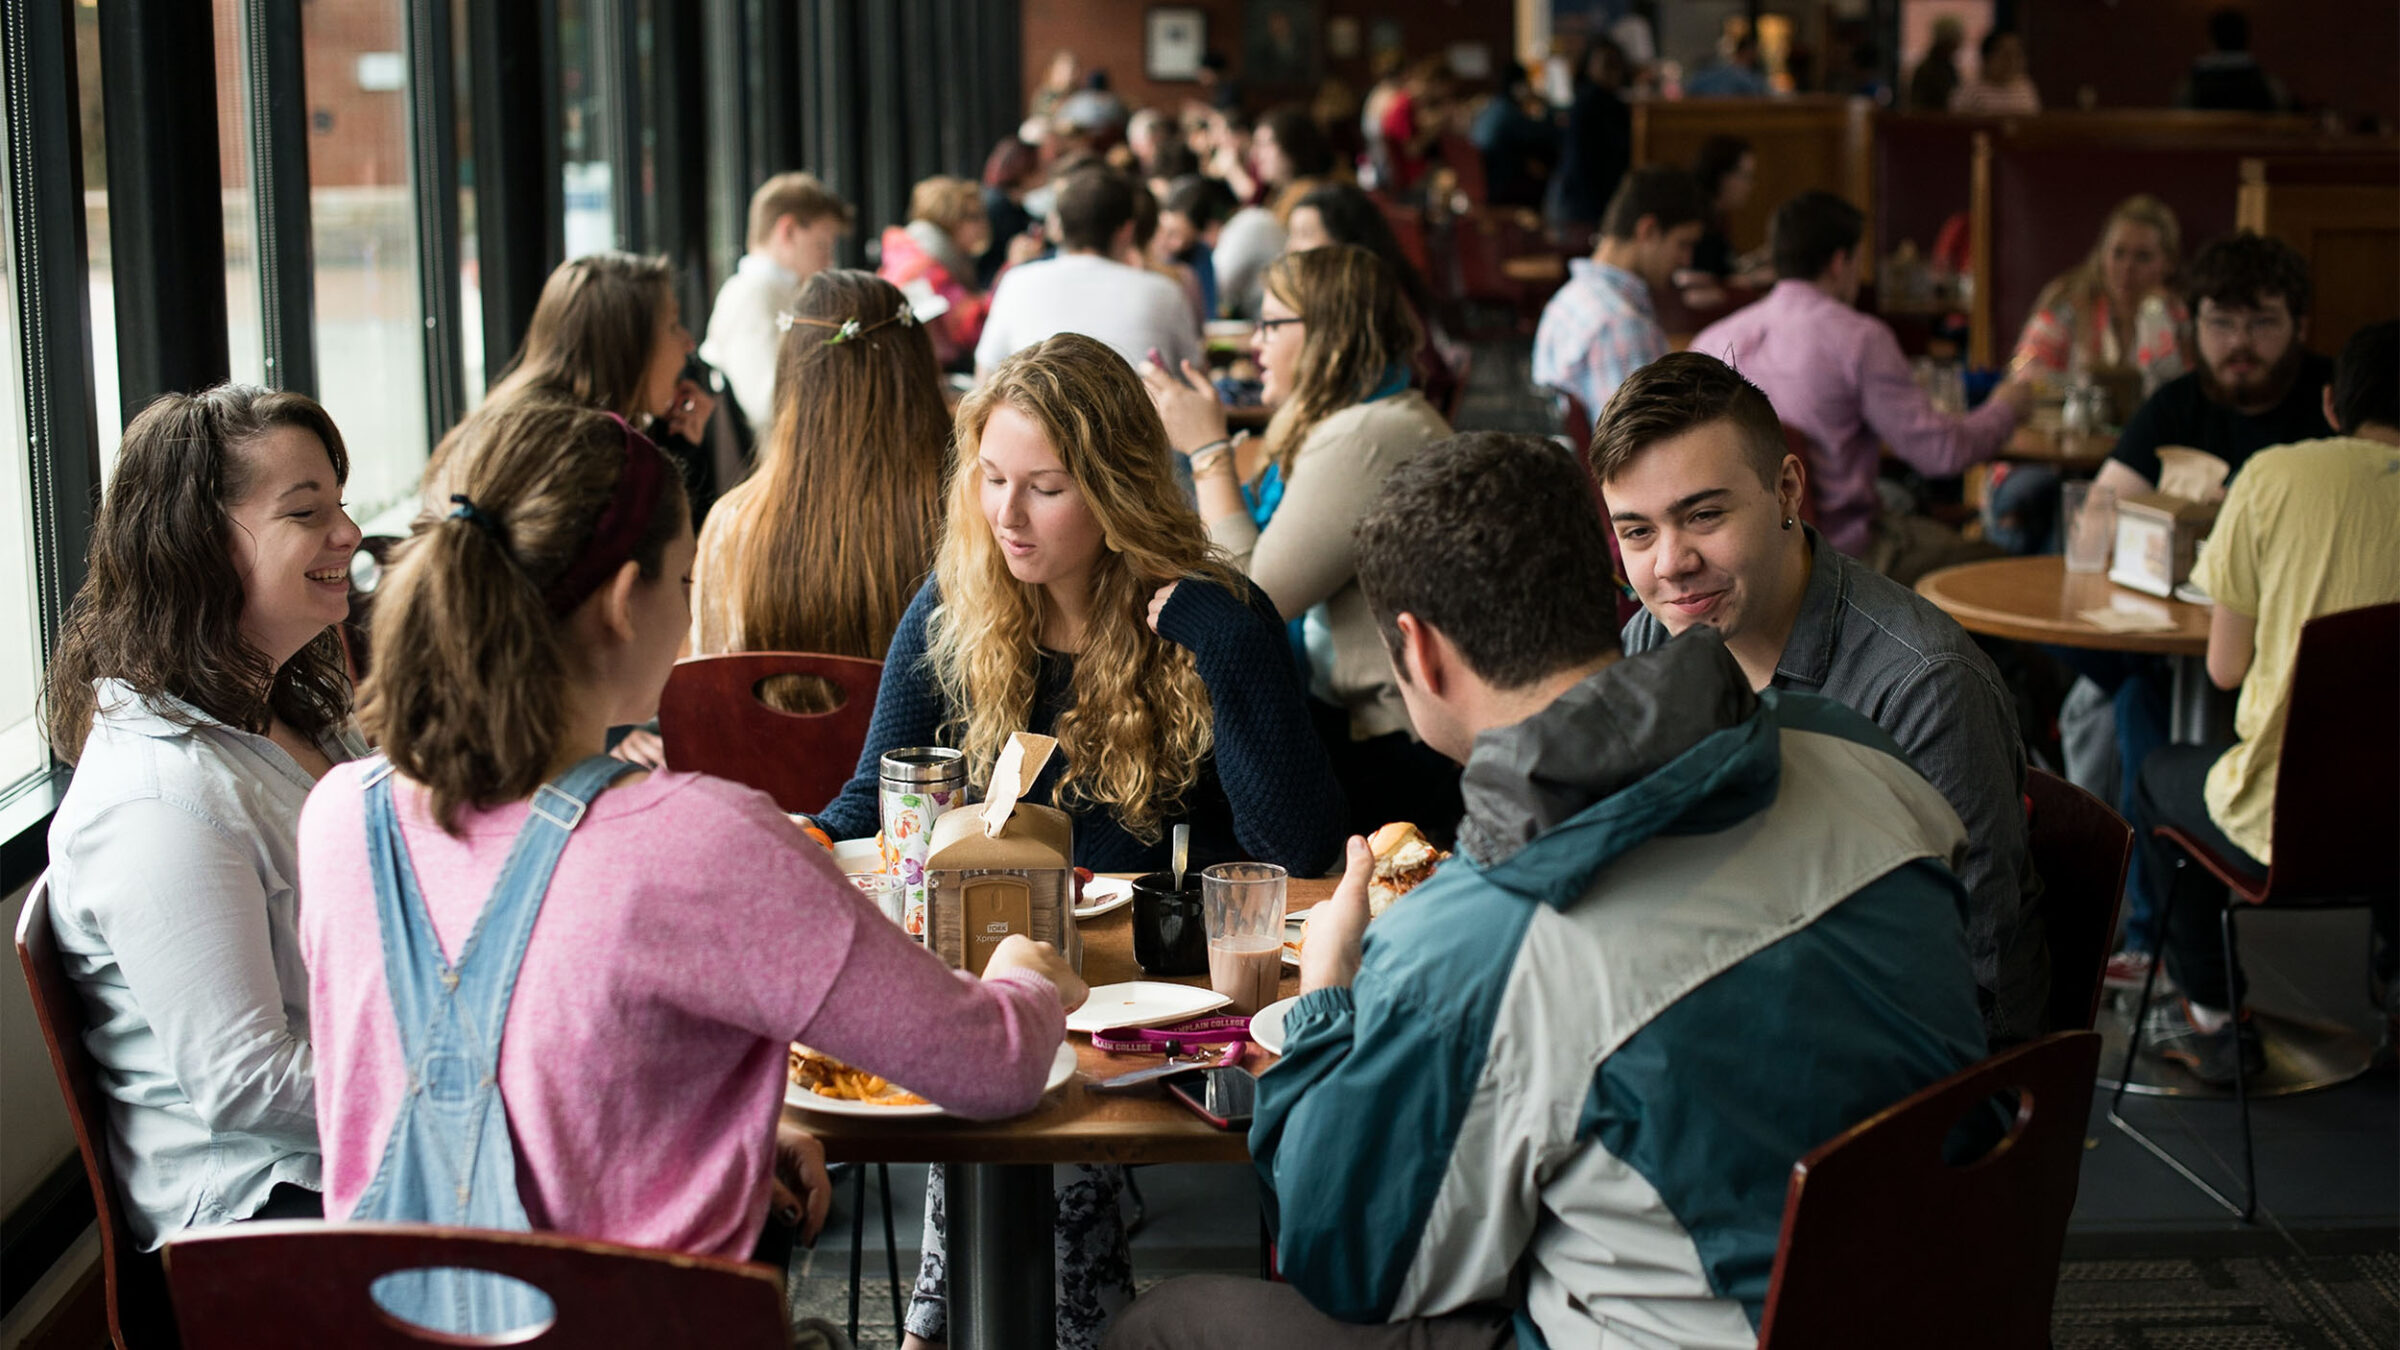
[[1095, 1264]]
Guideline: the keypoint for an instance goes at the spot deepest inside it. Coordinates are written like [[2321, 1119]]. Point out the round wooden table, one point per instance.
[[2039, 600], [2063, 449]]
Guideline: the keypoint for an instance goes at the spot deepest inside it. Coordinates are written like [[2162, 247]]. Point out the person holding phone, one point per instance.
[[1569, 1063], [1333, 349]]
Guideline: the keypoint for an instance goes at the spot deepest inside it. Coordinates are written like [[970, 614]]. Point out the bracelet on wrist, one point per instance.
[[1220, 443], [1209, 459]]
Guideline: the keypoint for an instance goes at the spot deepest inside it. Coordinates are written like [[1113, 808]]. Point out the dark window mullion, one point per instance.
[[433, 195], [276, 94]]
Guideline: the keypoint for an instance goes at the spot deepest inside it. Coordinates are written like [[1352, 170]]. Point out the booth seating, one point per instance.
[[2342, 212]]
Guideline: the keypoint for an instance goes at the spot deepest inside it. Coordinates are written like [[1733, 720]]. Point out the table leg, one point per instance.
[[2198, 712], [1002, 1222]]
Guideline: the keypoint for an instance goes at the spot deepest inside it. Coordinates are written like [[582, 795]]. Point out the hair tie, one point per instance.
[[462, 508]]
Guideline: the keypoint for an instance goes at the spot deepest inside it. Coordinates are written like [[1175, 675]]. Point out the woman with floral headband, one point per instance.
[[822, 547]]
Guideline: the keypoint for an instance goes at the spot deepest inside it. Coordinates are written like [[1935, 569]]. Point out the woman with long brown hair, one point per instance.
[[607, 333], [1075, 595], [1334, 342], [494, 857], [821, 549], [198, 689]]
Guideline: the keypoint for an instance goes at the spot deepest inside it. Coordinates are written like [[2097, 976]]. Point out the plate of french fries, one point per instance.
[[819, 1082]]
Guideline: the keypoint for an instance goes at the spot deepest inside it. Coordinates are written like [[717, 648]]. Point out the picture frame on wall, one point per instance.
[[1174, 38]]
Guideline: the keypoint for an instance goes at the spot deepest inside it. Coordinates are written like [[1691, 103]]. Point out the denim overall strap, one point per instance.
[[448, 1158]]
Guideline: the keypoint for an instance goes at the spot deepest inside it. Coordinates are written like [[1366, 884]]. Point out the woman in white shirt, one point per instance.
[[200, 691]]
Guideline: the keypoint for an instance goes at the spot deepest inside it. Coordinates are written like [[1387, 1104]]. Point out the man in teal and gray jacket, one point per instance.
[[1554, 1096]]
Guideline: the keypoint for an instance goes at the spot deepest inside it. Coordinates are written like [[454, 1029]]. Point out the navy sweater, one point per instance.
[[1266, 793]]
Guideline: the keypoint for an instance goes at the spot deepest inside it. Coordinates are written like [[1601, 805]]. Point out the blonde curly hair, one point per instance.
[[1138, 723]]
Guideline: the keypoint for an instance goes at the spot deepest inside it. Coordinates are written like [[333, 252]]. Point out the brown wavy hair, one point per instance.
[[470, 663], [1138, 722], [838, 528], [1355, 326], [589, 343], [161, 602]]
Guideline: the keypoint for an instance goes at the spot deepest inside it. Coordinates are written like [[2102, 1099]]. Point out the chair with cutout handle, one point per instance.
[[714, 720]]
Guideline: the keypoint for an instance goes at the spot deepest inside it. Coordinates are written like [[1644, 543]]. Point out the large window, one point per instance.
[[245, 327], [370, 317], [21, 753]]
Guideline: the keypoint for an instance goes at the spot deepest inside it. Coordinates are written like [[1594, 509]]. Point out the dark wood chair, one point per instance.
[[2080, 849], [713, 722], [138, 1315], [1888, 1244], [2337, 793], [303, 1285]]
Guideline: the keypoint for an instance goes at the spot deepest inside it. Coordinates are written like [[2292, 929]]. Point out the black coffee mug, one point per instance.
[[1170, 937]]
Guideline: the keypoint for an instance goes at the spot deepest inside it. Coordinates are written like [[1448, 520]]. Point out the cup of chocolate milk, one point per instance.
[[1242, 903]]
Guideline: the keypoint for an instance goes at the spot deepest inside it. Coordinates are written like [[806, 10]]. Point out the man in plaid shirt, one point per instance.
[[1600, 327]]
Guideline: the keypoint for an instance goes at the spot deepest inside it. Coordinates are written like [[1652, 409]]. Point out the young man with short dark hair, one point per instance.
[[1085, 290], [1601, 326], [794, 223], [1555, 1093], [1704, 500], [2308, 530], [1838, 376]]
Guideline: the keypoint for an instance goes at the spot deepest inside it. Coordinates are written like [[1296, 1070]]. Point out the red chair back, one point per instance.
[[2080, 849], [138, 1315], [2337, 782], [303, 1285], [1575, 424], [1885, 1243], [713, 722]]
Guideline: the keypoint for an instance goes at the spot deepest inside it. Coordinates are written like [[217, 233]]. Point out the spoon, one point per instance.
[[1183, 853]]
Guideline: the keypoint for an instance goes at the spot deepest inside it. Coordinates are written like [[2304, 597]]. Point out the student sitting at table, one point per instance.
[[1344, 213], [1333, 348], [1602, 325], [198, 690], [1704, 500], [486, 866], [607, 333], [1087, 288], [1556, 1092], [2256, 385], [795, 224], [1838, 376], [1075, 595], [2306, 531], [946, 232], [821, 549]]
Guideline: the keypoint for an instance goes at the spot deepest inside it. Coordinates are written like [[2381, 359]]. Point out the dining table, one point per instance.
[[1000, 1219], [2038, 600], [2074, 451]]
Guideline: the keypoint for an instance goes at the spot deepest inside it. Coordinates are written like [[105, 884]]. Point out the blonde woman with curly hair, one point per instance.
[[1074, 594], [1336, 337]]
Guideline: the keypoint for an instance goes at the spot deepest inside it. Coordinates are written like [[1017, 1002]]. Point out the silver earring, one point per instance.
[[1787, 522]]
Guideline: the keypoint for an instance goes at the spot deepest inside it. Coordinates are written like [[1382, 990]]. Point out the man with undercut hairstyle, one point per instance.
[[1704, 499], [1554, 1095]]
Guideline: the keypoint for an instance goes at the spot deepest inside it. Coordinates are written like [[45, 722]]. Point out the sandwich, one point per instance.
[[1403, 859]]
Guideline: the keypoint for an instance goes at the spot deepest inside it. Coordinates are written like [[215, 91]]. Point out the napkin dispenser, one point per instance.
[[979, 890], [1002, 866], [2158, 536]]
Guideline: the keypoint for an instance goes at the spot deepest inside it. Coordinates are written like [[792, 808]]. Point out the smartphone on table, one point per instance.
[[1222, 1097]]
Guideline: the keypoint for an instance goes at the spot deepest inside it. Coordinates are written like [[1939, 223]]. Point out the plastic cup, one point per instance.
[[1244, 903], [2088, 514], [885, 892]]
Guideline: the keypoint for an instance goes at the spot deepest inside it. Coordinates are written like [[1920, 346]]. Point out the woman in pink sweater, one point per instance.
[[687, 932]]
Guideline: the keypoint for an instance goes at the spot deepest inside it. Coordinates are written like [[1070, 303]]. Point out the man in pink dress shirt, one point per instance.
[[1839, 377]]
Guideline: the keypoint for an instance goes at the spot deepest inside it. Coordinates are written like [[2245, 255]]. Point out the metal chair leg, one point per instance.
[[2133, 1044], [2241, 1072], [1141, 1207], [858, 1234], [891, 1253]]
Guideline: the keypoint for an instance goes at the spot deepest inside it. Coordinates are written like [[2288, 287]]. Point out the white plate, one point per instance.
[[1143, 1003], [1295, 927], [857, 855], [1266, 1026], [1102, 895], [1062, 1068]]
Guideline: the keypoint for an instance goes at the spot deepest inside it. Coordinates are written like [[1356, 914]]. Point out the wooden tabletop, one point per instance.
[[2038, 600], [2049, 445], [1071, 1125]]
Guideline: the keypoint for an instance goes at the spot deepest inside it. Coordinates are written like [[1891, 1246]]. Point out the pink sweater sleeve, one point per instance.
[[979, 1048]]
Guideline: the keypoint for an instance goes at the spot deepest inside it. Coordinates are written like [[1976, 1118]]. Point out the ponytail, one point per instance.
[[466, 695]]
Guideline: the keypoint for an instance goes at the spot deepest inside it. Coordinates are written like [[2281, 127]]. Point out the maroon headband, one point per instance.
[[621, 527]]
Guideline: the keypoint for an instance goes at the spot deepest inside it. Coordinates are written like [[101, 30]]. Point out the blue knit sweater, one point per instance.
[[1267, 791]]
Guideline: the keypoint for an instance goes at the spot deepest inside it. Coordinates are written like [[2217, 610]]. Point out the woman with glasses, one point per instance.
[[1334, 343]]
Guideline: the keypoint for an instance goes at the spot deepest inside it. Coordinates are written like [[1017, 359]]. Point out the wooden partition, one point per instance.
[[1923, 175], [1813, 141], [2342, 211], [2041, 187]]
